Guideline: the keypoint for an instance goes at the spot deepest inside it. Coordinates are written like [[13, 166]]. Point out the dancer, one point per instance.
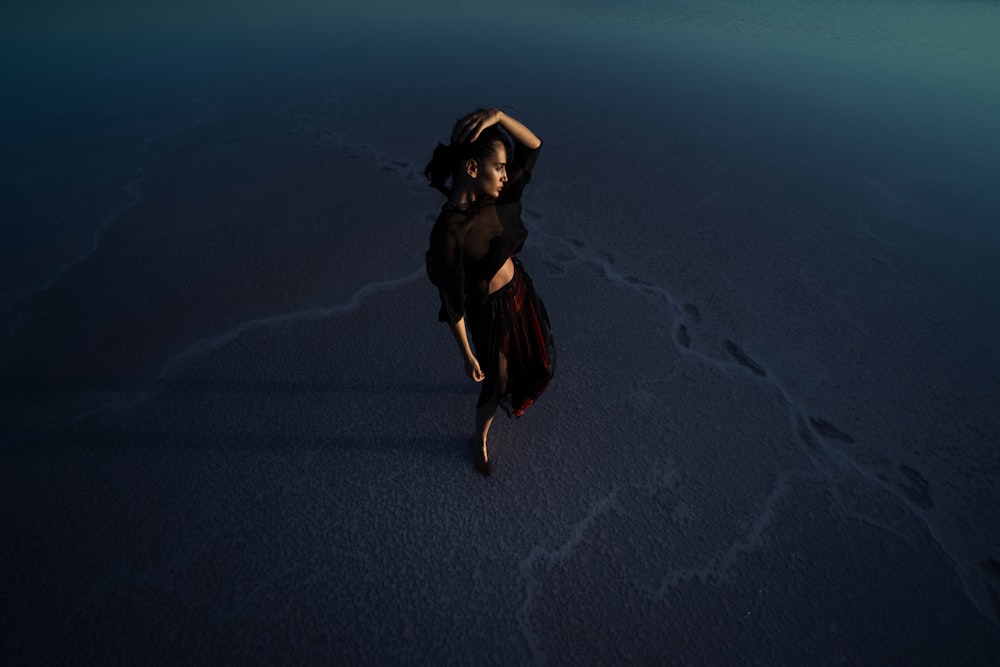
[[485, 291]]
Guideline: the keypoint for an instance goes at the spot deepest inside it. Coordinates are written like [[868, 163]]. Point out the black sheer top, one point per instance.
[[469, 246]]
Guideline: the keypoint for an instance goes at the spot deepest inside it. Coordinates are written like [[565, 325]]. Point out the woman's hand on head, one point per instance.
[[473, 370], [470, 126]]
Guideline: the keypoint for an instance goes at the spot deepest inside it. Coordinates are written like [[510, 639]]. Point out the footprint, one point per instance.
[[575, 243], [692, 311], [606, 256], [741, 358], [919, 491], [632, 280], [553, 267], [682, 336], [806, 435], [828, 430]]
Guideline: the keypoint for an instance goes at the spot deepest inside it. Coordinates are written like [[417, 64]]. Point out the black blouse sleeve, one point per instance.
[[519, 166], [446, 270]]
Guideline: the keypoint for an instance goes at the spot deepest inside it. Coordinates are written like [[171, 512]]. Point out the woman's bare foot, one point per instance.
[[481, 459]]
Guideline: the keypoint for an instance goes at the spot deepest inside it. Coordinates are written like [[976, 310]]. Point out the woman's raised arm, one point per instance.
[[469, 128]]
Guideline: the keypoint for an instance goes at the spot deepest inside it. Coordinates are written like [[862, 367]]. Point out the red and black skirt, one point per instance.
[[513, 338]]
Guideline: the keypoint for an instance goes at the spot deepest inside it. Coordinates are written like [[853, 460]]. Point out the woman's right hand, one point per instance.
[[473, 370], [471, 125]]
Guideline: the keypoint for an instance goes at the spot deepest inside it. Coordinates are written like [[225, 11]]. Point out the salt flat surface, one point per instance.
[[234, 431]]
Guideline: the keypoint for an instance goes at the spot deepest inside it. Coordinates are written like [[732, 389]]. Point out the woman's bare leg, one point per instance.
[[484, 419], [486, 412]]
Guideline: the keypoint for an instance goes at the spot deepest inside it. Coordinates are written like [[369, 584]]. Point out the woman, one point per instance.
[[484, 289]]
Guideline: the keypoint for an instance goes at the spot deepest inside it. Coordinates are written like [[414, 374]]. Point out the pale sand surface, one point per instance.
[[234, 431]]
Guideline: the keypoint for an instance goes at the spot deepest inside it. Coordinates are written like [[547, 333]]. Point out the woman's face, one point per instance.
[[491, 172]]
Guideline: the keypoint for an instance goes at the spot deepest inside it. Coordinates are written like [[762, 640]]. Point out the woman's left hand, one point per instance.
[[470, 127]]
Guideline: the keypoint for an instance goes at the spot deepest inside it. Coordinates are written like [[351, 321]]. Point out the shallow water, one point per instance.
[[767, 239]]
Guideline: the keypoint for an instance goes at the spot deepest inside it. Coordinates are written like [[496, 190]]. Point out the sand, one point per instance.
[[234, 432]]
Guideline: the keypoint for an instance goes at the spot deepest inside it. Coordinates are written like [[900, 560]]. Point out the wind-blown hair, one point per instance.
[[448, 161]]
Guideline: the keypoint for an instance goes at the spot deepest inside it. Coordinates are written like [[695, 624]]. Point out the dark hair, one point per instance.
[[449, 160]]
